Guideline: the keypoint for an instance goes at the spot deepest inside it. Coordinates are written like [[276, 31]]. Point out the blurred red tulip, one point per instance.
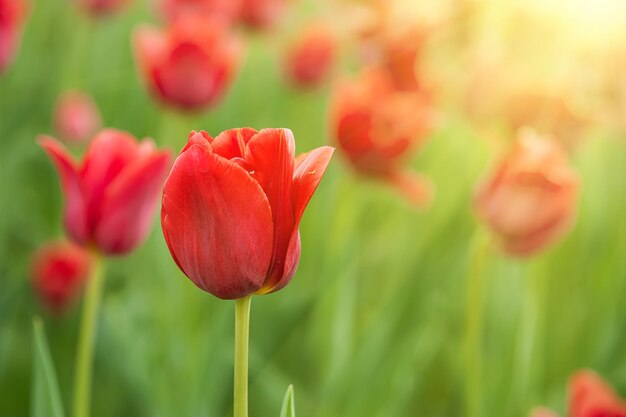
[[232, 206], [377, 127], [59, 270], [401, 52], [227, 10], [191, 64], [590, 396], [530, 199], [12, 15], [101, 7], [76, 116], [261, 14], [311, 57], [110, 197]]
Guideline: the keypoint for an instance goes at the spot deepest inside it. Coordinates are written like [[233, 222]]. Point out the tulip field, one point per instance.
[[337, 208]]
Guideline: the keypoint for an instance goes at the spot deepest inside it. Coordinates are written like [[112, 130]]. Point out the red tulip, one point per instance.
[[226, 10], [12, 15], [232, 206], [377, 127], [311, 57], [111, 195], [530, 199], [101, 7], [261, 14], [190, 65], [76, 116], [59, 270], [590, 396]]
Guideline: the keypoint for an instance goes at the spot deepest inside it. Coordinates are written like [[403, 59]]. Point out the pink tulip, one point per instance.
[[76, 116]]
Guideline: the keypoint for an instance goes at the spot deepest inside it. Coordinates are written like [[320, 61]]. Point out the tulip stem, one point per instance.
[[474, 324], [242, 336], [86, 338]]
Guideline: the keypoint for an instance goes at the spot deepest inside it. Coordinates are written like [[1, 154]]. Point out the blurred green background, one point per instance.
[[374, 322]]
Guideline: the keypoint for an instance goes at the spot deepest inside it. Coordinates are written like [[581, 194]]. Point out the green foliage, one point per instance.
[[45, 394], [288, 409]]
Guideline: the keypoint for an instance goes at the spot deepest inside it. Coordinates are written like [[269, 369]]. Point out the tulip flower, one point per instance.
[[232, 205], [59, 271], [311, 57], [101, 7], [76, 116], [230, 215], [12, 15], [401, 52], [111, 195], [377, 127], [261, 14], [529, 201], [227, 10], [589, 396], [189, 65]]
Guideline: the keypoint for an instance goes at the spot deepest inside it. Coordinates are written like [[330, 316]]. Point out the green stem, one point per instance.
[[474, 327], [242, 335], [86, 338]]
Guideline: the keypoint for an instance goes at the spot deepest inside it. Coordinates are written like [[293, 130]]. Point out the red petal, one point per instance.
[[270, 156], [218, 223], [232, 143], [129, 204], [75, 216], [109, 153], [310, 168], [150, 47]]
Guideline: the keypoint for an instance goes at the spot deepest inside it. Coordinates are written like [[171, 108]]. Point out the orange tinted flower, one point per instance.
[[59, 270], [311, 57], [529, 201], [590, 396], [76, 116], [12, 15], [377, 128], [191, 64]]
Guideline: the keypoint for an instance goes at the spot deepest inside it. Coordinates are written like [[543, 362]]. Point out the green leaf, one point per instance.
[[46, 397], [289, 409]]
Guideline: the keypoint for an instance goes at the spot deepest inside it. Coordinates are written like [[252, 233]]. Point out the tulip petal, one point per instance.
[[218, 223], [109, 153], [232, 143], [75, 215], [309, 170], [129, 204], [270, 156]]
